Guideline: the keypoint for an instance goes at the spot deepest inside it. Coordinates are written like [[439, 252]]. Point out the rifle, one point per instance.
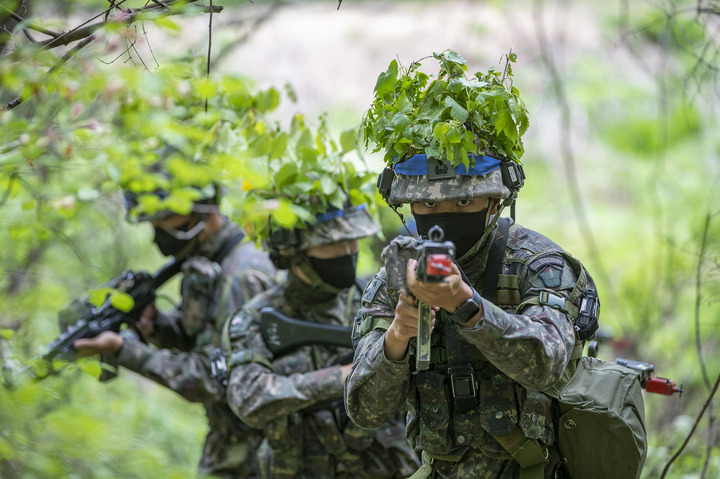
[[648, 382], [646, 371], [283, 334], [141, 286], [434, 264]]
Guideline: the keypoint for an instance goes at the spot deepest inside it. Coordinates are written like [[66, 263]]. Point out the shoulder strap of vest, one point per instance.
[[495, 260], [226, 247]]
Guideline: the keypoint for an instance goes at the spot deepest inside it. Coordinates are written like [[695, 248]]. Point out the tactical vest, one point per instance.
[[463, 400]]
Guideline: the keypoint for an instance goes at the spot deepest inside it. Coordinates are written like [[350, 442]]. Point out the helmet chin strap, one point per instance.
[[490, 223], [191, 234]]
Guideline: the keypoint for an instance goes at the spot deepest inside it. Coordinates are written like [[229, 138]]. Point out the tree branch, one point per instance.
[[85, 35], [692, 431], [133, 16], [13, 103], [31, 26]]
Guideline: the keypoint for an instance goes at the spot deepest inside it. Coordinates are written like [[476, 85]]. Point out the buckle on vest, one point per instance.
[[218, 366], [359, 328], [463, 386], [552, 300]]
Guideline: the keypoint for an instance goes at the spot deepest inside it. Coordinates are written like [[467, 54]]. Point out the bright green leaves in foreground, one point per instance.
[[449, 117]]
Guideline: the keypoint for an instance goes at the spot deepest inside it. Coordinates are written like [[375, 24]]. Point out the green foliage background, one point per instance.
[[639, 131]]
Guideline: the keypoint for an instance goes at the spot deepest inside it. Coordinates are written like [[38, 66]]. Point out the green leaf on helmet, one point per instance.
[[286, 175], [284, 216], [278, 145], [386, 81], [454, 135], [328, 185], [6, 333], [457, 112]]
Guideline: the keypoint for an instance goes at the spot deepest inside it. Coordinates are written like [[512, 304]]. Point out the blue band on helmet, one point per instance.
[[416, 165], [336, 213]]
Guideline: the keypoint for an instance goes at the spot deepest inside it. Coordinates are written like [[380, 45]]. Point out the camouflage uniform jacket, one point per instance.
[[186, 337], [513, 355], [298, 403]]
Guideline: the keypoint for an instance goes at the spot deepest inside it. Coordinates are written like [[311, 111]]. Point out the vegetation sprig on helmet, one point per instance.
[[315, 174], [449, 117]]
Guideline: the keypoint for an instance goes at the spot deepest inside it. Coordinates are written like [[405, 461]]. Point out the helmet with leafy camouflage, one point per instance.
[[419, 179], [332, 226], [450, 138]]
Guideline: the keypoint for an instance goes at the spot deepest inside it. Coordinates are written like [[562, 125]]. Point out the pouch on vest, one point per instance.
[[601, 421]]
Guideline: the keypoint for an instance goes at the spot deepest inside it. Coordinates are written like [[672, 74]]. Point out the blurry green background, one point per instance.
[[622, 171]]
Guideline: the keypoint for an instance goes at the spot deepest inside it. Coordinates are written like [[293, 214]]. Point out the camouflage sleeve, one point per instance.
[[168, 331], [258, 394], [534, 347], [376, 387], [185, 373]]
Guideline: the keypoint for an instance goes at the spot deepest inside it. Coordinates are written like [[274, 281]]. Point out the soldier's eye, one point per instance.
[[463, 202], [431, 204]]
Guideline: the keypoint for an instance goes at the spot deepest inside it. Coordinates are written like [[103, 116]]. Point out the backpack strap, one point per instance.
[[528, 453]]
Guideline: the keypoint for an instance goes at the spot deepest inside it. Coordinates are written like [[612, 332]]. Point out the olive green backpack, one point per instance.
[[601, 424], [601, 415]]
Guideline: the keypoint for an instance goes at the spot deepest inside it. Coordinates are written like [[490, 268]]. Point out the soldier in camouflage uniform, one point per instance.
[[477, 411], [296, 398], [220, 273]]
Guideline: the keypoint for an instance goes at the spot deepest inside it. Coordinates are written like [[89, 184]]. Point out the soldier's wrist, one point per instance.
[[394, 348], [468, 309]]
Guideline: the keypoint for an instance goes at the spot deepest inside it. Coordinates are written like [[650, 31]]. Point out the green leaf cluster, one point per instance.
[[446, 115], [314, 173]]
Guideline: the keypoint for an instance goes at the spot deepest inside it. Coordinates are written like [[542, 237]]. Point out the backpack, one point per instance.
[[601, 414]]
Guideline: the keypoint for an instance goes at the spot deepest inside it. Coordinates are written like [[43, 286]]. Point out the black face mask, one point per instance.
[[170, 245], [338, 272], [463, 229]]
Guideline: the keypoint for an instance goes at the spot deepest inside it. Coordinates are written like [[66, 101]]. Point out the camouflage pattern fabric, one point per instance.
[[415, 189], [185, 339], [298, 403], [513, 355]]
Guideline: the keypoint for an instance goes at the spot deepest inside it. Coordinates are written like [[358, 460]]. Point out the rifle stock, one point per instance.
[[284, 334]]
